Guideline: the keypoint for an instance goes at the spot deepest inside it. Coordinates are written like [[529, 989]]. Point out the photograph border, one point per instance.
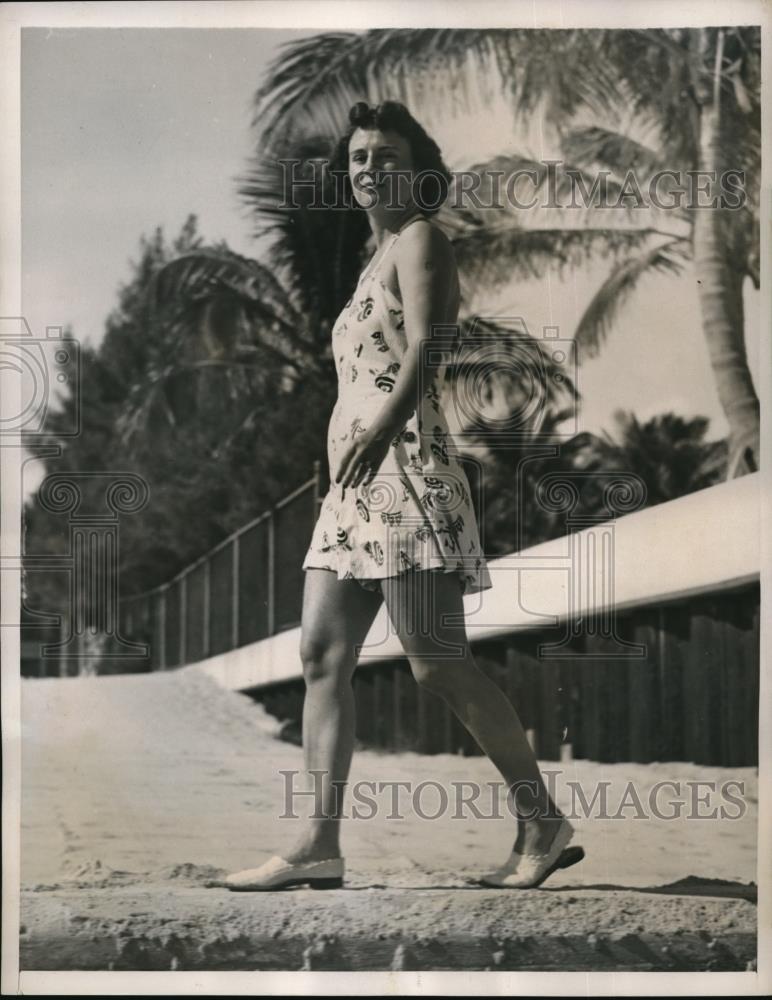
[[357, 15]]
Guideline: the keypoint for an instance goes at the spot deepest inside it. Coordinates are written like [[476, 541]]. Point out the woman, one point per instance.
[[397, 524]]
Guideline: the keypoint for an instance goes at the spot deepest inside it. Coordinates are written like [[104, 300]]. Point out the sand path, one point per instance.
[[140, 791]]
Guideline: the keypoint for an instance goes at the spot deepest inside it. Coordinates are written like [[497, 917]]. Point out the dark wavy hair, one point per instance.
[[392, 116]]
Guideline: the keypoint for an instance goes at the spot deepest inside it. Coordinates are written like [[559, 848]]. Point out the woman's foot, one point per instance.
[[277, 873], [535, 836], [312, 860], [529, 869], [309, 848]]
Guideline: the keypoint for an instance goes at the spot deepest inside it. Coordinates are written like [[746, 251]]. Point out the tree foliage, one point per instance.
[[215, 444]]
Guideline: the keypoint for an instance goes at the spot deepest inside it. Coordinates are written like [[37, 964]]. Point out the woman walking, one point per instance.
[[397, 524]]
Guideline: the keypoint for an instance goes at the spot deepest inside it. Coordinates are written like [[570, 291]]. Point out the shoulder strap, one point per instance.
[[394, 239]]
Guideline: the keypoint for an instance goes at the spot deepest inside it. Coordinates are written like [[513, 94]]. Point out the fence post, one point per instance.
[[235, 593], [63, 633], [207, 605], [271, 572], [183, 616], [396, 706], [162, 628]]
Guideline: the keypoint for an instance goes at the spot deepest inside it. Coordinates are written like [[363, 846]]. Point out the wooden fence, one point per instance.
[[693, 611], [693, 696]]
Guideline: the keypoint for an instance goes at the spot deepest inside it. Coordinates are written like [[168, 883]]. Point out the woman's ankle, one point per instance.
[[316, 846]]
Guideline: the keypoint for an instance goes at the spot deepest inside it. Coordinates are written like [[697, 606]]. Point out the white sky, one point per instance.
[[127, 129]]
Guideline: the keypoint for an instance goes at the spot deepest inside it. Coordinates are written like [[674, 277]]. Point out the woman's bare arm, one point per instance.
[[426, 267]]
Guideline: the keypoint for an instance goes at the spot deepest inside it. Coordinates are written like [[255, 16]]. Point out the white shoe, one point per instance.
[[276, 873], [526, 871]]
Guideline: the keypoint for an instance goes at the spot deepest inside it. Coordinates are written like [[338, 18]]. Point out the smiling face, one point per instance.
[[371, 151]]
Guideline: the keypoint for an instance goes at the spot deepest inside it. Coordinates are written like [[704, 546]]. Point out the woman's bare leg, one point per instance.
[[418, 604], [337, 615]]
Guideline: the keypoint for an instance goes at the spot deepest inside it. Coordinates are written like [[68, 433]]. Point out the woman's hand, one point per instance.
[[362, 459]]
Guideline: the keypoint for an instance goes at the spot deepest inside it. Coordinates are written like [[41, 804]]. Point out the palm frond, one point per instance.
[[503, 379], [604, 146], [599, 316], [191, 277], [313, 82], [495, 256], [147, 408], [213, 293], [539, 195], [633, 161], [315, 244]]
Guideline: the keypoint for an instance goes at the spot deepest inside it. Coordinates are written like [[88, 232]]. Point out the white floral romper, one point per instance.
[[416, 513]]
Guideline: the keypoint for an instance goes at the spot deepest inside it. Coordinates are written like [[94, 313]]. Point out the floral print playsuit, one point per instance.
[[416, 513]]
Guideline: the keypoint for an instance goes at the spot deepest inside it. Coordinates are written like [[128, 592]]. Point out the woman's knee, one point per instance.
[[324, 660], [441, 676]]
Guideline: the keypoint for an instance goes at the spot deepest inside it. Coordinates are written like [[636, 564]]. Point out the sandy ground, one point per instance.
[[139, 792]]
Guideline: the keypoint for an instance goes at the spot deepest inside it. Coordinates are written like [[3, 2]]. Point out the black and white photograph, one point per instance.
[[386, 498]]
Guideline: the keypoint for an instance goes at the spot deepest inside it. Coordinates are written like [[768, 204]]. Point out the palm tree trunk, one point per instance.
[[719, 285]]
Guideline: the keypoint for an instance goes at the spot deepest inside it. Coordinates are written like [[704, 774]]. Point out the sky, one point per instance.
[[124, 130]]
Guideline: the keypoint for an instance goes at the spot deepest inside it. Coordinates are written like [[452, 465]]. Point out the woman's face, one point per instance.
[[372, 152]]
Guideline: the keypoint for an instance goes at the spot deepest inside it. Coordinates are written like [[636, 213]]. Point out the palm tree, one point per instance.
[[698, 88], [223, 310], [707, 85], [668, 453], [222, 314]]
